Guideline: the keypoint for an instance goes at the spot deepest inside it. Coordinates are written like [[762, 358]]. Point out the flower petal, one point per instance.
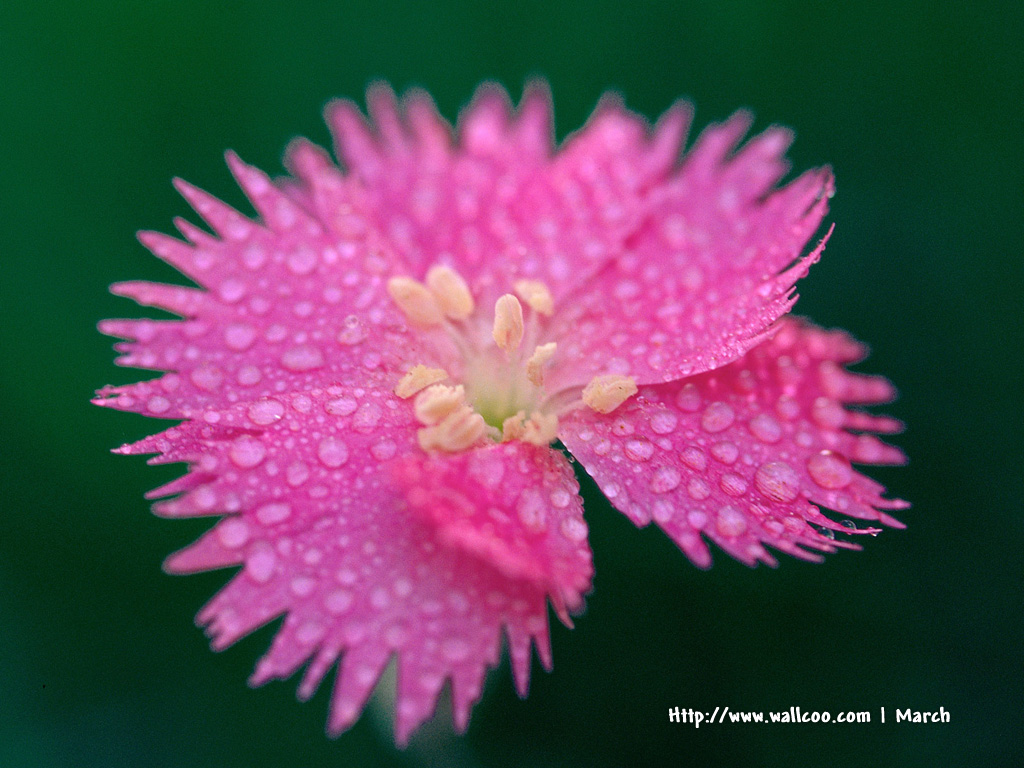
[[744, 453], [290, 303], [371, 548], [709, 269], [513, 505], [501, 205]]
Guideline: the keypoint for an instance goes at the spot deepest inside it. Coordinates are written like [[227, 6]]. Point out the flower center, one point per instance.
[[501, 360]]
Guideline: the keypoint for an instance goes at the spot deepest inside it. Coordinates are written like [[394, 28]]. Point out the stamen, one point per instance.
[[508, 323], [458, 431], [435, 403], [536, 295], [535, 365], [606, 393], [512, 428], [451, 292], [416, 302], [540, 428], [453, 420], [419, 377]]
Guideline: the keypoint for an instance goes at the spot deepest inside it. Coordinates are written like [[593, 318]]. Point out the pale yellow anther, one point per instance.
[[606, 393], [540, 428], [536, 295], [435, 403], [461, 429], [535, 365], [508, 323], [415, 300], [451, 292], [512, 428], [419, 377]]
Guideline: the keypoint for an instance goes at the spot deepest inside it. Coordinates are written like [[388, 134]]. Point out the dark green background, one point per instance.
[[919, 108]]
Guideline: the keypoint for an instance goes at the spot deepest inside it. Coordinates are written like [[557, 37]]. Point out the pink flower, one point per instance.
[[371, 376]]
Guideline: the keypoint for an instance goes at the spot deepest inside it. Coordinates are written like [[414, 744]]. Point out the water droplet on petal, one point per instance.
[[777, 481], [396, 636], [204, 497], [158, 404], [239, 336], [828, 413], [310, 632], [662, 511], [458, 601], [733, 484], [730, 522], [302, 586], [765, 428], [787, 407], [352, 332], [296, 474], [232, 290], [384, 449], [622, 428], [346, 576], [304, 357], [233, 533], [332, 452], [366, 417], [302, 403], [302, 261], [698, 489], [694, 458], [249, 375], [379, 598], [261, 563], [530, 509], [274, 512], [745, 382], [455, 649], [665, 479], [696, 518], [207, 377], [725, 452], [267, 411], [688, 399], [560, 498], [639, 449], [254, 256], [574, 529], [717, 417], [830, 470], [247, 453], [664, 422], [341, 406]]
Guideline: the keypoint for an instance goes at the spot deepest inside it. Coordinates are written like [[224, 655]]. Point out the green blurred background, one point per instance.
[[917, 105]]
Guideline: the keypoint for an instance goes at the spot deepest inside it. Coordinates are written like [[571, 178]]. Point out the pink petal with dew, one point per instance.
[[288, 305], [708, 270], [514, 505], [493, 199], [371, 551], [744, 453]]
